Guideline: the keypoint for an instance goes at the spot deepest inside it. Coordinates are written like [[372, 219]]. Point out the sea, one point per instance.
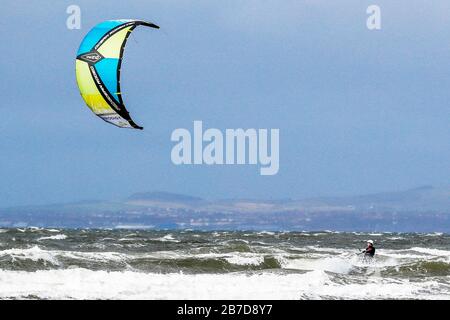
[[37, 263]]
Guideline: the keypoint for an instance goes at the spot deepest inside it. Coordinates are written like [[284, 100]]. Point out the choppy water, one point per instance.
[[122, 264]]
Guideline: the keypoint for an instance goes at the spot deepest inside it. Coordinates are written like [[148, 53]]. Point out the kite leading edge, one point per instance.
[[98, 70]]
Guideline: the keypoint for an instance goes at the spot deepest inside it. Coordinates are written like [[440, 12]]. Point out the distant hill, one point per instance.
[[163, 196], [423, 209], [421, 198]]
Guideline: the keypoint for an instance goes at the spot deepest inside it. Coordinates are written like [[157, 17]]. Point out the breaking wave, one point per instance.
[[107, 264]]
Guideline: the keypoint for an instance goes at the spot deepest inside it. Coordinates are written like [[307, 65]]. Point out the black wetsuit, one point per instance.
[[370, 251]]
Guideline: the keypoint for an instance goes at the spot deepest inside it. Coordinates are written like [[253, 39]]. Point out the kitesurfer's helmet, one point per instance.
[[370, 242]]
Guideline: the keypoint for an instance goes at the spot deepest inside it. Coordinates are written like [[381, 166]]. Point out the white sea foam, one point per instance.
[[34, 253], [131, 235], [241, 258], [127, 239], [55, 237], [86, 284], [336, 265], [234, 241], [318, 249], [167, 238], [434, 252], [400, 255], [93, 256], [245, 259], [434, 234], [268, 233], [260, 243], [37, 254], [317, 258], [378, 288]]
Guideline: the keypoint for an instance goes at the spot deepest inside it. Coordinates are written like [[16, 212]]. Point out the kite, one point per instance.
[[98, 70]]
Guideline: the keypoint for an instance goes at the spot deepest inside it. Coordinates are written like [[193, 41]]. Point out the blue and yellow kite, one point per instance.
[[98, 70]]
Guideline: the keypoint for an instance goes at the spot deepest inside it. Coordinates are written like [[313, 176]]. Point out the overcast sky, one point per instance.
[[359, 111]]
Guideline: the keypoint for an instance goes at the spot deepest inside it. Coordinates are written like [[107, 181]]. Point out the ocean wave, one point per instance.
[[266, 233], [395, 238], [167, 238], [434, 234], [52, 230], [316, 248], [34, 253], [87, 284], [402, 255], [212, 262], [242, 260], [379, 288], [56, 257], [128, 239], [430, 251], [217, 262], [420, 269], [329, 258], [341, 262], [336, 265], [55, 237]]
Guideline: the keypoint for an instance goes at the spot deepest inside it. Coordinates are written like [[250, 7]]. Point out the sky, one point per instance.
[[359, 110]]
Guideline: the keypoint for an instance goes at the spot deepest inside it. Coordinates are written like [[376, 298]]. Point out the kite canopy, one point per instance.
[[98, 70]]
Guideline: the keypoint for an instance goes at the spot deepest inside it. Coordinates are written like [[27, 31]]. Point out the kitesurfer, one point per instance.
[[370, 250]]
